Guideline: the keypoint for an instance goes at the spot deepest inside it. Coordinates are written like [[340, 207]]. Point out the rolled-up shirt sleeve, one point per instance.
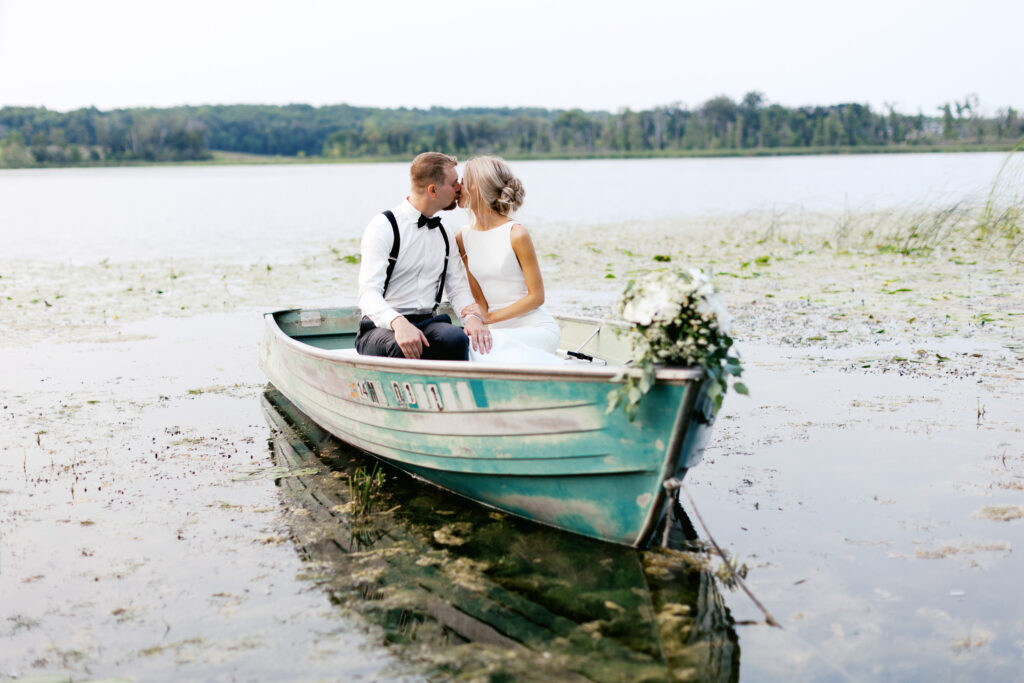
[[373, 266], [456, 284]]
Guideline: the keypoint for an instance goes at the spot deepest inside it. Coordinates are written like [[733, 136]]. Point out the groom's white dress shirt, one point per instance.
[[415, 278]]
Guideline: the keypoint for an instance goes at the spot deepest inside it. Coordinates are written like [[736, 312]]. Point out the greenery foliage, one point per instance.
[[677, 319], [37, 136], [364, 487]]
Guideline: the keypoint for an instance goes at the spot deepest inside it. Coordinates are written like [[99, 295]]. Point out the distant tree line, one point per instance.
[[38, 136]]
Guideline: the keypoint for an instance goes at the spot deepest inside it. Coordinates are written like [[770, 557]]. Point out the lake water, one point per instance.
[[143, 535], [255, 213]]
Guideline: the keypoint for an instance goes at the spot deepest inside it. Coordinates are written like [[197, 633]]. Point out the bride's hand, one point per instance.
[[474, 309], [479, 335]]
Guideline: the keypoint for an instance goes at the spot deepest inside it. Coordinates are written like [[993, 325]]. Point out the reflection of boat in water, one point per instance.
[[468, 590], [532, 440]]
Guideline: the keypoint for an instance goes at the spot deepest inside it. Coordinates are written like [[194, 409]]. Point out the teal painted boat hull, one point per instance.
[[528, 440]]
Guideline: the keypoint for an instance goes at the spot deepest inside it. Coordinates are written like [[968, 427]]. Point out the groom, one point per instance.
[[408, 261]]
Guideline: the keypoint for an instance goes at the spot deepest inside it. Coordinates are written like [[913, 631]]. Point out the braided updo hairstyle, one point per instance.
[[491, 183]]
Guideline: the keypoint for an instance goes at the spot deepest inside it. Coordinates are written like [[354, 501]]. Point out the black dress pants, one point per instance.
[[447, 342]]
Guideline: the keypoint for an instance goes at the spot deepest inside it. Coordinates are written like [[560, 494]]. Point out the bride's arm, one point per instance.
[[474, 286], [522, 245]]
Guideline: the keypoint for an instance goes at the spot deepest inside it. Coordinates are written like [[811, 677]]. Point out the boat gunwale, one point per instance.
[[454, 368]]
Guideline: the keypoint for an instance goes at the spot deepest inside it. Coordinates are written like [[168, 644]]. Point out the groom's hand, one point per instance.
[[409, 337], [479, 335]]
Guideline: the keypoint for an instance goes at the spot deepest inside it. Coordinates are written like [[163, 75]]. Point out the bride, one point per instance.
[[502, 266]]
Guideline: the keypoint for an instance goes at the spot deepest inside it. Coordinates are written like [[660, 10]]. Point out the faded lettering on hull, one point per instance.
[[434, 398], [410, 395], [399, 395]]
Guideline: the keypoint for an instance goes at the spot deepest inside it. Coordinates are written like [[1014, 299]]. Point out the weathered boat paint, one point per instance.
[[532, 441]]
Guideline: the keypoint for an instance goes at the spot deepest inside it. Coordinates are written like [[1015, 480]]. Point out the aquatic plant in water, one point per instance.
[[678, 318], [1000, 220], [363, 487], [1003, 214]]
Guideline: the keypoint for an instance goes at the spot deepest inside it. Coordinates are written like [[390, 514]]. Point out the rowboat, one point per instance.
[[534, 441]]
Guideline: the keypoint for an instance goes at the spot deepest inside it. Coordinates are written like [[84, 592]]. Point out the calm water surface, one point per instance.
[[854, 499], [252, 213]]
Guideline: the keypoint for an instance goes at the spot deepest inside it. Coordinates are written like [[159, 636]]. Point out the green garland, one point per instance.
[[678, 319]]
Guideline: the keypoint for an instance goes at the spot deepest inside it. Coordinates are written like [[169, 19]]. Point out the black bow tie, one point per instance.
[[431, 223]]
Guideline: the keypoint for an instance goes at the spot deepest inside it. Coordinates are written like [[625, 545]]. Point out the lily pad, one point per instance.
[[1001, 513]]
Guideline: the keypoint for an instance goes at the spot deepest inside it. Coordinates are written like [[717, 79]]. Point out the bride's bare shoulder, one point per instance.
[[519, 236]]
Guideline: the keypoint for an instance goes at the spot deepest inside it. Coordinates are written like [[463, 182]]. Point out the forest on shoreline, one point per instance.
[[39, 137]]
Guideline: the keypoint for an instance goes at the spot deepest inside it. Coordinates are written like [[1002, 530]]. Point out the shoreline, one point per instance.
[[222, 158]]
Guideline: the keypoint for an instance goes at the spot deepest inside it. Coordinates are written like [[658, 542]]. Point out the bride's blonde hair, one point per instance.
[[491, 183]]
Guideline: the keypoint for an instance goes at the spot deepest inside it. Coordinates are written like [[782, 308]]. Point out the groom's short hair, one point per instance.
[[430, 167]]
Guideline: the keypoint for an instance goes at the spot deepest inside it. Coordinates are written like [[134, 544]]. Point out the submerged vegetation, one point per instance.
[[40, 137], [460, 591]]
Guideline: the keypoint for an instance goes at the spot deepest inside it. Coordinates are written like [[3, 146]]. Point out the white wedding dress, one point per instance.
[[530, 338]]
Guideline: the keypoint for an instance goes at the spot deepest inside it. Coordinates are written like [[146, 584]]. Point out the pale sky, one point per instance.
[[65, 54]]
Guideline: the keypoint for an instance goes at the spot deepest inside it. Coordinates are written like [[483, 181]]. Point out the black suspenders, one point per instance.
[[393, 259], [444, 270]]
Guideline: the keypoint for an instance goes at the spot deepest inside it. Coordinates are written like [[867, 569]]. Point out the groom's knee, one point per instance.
[[378, 342], [447, 342]]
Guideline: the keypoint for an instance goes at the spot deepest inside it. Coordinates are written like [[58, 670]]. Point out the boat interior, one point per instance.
[[583, 339]]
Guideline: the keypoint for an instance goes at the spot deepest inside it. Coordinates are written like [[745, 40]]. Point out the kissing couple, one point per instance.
[[489, 271]]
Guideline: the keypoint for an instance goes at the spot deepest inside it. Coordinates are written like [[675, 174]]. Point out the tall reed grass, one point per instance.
[[1004, 208], [992, 227]]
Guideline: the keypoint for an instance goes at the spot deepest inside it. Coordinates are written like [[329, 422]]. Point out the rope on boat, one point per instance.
[[587, 340], [673, 484]]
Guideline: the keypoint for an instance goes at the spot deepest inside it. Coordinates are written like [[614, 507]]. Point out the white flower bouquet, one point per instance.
[[677, 319]]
